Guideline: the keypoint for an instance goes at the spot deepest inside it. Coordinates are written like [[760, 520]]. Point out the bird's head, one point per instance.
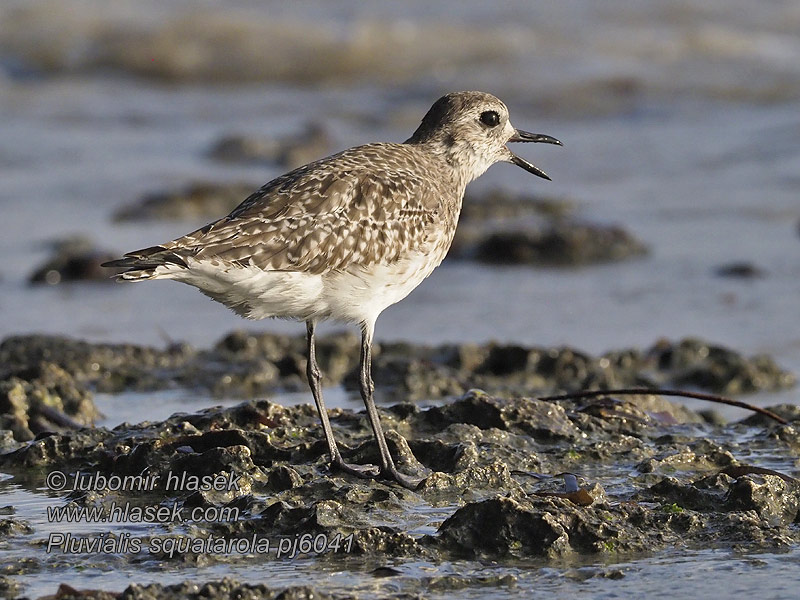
[[472, 130]]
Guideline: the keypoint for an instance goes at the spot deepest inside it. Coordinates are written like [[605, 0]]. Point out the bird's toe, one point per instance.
[[364, 471], [407, 481]]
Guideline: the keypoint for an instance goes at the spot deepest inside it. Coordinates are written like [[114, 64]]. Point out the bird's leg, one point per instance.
[[388, 468], [314, 379]]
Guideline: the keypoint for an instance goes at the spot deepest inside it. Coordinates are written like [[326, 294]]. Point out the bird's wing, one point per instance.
[[324, 217]]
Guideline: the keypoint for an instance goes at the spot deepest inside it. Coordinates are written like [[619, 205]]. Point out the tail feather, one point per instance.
[[145, 263]]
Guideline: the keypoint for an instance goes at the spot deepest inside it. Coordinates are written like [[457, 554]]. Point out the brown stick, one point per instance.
[[659, 392], [57, 417]]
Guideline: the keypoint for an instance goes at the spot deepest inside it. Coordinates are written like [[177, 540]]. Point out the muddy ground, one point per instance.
[[507, 476]]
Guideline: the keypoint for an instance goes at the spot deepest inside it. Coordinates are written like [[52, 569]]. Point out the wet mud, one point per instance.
[[506, 476], [247, 365]]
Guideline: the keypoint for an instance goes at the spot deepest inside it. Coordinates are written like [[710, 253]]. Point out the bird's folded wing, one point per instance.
[[322, 221]]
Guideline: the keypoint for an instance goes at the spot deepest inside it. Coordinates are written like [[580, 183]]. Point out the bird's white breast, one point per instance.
[[360, 294], [356, 294]]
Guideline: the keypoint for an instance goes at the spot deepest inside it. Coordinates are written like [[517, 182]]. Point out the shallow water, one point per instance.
[[681, 122], [710, 573]]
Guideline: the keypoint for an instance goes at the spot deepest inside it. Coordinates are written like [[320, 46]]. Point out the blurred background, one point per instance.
[[126, 123]]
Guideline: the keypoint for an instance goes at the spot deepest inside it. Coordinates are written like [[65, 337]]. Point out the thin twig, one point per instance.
[[58, 417], [659, 392]]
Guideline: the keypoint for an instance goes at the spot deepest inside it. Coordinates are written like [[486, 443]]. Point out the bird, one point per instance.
[[345, 237]]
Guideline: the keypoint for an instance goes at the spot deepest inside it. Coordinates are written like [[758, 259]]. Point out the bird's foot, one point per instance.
[[407, 481], [363, 471]]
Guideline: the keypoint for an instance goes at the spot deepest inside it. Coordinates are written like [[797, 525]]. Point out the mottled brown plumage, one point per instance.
[[346, 236], [357, 207]]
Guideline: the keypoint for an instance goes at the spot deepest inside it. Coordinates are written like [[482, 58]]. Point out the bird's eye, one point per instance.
[[490, 118]]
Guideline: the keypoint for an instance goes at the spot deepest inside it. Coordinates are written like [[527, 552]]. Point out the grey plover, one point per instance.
[[345, 237]]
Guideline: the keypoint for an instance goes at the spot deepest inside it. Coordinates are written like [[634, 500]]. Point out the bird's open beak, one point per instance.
[[524, 136]]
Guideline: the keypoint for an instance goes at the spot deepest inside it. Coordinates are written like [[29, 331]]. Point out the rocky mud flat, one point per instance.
[[509, 478]]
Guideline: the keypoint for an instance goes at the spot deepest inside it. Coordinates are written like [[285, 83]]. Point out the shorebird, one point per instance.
[[345, 237]]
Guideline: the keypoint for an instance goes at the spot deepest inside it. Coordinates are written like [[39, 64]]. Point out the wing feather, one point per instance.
[[327, 216]]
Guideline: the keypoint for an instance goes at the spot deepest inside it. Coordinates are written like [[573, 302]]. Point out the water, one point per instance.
[[680, 119], [712, 573]]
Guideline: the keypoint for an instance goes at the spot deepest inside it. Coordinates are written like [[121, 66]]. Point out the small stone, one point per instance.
[[740, 270]]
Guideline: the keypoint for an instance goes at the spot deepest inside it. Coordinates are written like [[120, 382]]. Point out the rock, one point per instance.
[[502, 228], [775, 500], [109, 367], [231, 466], [790, 412], [197, 200], [7, 440], [67, 592], [552, 527], [502, 526], [706, 496], [9, 588], [58, 449], [562, 245], [288, 152], [645, 408], [541, 420], [697, 363], [445, 457], [740, 270], [496, 478], [248, 365], [282, 478], [337, 354], [11, 526], [41, 398], [273, 347], [500, 206], [409, 379], [697, 455], [74, 259], [225, 589]]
